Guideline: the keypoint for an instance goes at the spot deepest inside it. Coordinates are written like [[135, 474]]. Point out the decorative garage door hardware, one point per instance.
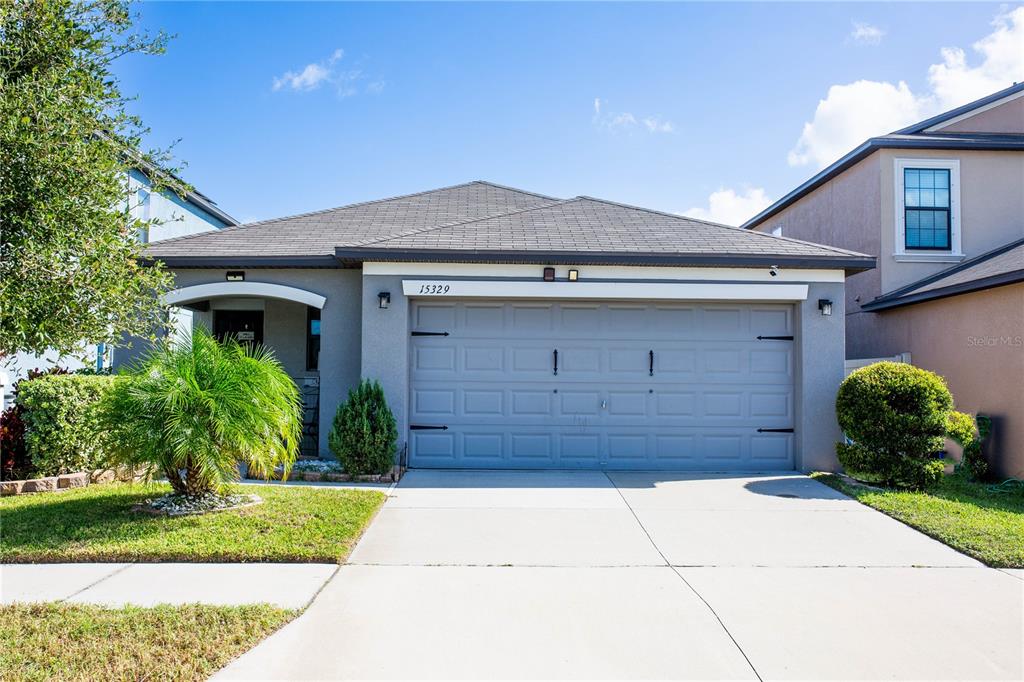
[[650, 370], [492, 383], [430, 333], [427, 427], [775, 430], [775, 338], [556, 362]]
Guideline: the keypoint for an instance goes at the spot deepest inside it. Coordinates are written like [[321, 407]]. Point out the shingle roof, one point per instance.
[[998, 267], [488, 223], [320, 232]]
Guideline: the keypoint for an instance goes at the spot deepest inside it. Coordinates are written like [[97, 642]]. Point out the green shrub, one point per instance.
[[62, 429], [364, 434], [194, 408], [896, 415], [969, 434]]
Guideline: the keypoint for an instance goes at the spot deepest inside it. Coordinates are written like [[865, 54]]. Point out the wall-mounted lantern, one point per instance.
[[235, 276], [549, 274], [384, 300], [574, 275], [825, 306]]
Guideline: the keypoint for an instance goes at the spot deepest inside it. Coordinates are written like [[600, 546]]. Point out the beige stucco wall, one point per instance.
[[856, 210], [976, 341], [1006, 118], [843, 212], [991, 208]]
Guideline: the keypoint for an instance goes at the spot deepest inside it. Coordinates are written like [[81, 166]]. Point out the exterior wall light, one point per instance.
[[574, 275], [549, 274], [235, 276], [384, 300], [825, 306]]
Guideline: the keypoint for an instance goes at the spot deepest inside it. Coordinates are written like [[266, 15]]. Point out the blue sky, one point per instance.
[[706, 109]]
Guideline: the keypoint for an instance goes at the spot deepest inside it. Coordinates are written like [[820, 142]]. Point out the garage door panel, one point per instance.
[[491, 381]]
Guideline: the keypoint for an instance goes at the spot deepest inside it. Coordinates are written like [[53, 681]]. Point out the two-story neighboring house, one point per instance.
[[941, 205], [178, 216]]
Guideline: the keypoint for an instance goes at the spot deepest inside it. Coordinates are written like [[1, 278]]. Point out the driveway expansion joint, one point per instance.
[[687, 582]]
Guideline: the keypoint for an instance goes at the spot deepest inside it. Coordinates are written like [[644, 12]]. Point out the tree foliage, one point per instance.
[[195, 408], [69, 255]]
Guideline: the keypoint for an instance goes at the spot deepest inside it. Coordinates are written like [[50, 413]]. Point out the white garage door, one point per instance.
[[601, 385]]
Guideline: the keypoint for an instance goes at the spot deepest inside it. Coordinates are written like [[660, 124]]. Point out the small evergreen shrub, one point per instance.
[[364, 434], [897, 417], [969, 433], [62, 430]]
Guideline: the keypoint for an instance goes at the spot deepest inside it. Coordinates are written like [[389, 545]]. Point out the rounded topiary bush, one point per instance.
[[364, 434], [896, 415]]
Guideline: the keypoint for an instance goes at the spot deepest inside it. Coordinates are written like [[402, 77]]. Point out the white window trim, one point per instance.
[[900, 252]]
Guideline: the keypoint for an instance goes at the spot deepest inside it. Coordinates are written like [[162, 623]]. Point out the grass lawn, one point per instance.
[[64, 642], [966, 516], [97, 523]]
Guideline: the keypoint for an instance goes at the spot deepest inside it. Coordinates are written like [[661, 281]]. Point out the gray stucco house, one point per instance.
[[515, 330]]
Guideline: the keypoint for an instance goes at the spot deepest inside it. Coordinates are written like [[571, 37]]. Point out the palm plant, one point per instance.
[[196, 407]]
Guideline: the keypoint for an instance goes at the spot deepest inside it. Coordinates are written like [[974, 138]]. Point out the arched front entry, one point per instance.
[[283, 318], [201, 292]]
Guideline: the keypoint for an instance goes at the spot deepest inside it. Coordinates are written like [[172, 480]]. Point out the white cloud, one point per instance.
[[656, 125], [311, 76], [376, 87], [1002, 62], [624, 120], [851, 113], [866, 34], [731, 208]]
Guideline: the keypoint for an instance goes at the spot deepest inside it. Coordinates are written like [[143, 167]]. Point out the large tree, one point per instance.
[[69, 254]]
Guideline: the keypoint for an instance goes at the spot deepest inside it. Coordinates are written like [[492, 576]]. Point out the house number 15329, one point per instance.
[[434, 288]]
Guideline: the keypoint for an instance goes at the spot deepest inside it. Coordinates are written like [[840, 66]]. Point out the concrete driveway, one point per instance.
[[636, 575]]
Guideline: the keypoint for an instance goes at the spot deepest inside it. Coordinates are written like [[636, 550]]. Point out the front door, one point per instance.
[[245, 326]]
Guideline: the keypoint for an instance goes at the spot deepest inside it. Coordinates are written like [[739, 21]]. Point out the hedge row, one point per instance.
[[62, 433]]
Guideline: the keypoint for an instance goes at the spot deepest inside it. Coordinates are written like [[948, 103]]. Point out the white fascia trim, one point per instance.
[[647, 291], [974, 112], [953, 166], [199, 292], [592, 272]]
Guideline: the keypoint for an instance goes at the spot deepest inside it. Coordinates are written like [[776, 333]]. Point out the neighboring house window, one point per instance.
[[143, 214], [312, 338], [777, 230], [927, 208]]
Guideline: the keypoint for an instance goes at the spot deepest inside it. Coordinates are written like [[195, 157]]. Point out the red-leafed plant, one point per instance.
[[14, 460]]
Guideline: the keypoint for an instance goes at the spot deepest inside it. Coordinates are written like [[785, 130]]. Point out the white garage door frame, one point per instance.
[[738, 295]]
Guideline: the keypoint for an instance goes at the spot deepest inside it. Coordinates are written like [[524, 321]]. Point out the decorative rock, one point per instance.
[[40, 485], [103, 476], [79, 480], [11, 487]]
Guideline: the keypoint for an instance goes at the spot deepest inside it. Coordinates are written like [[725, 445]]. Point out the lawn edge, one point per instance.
[[838, 483]]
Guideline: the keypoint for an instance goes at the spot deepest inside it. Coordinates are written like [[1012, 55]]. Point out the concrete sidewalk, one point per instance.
[[289, 586]]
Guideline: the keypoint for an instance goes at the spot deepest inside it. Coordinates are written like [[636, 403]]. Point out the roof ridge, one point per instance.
[[962, 265], [456, 223], [728, 227], [259, 223], [935, 120], [513, 189]]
